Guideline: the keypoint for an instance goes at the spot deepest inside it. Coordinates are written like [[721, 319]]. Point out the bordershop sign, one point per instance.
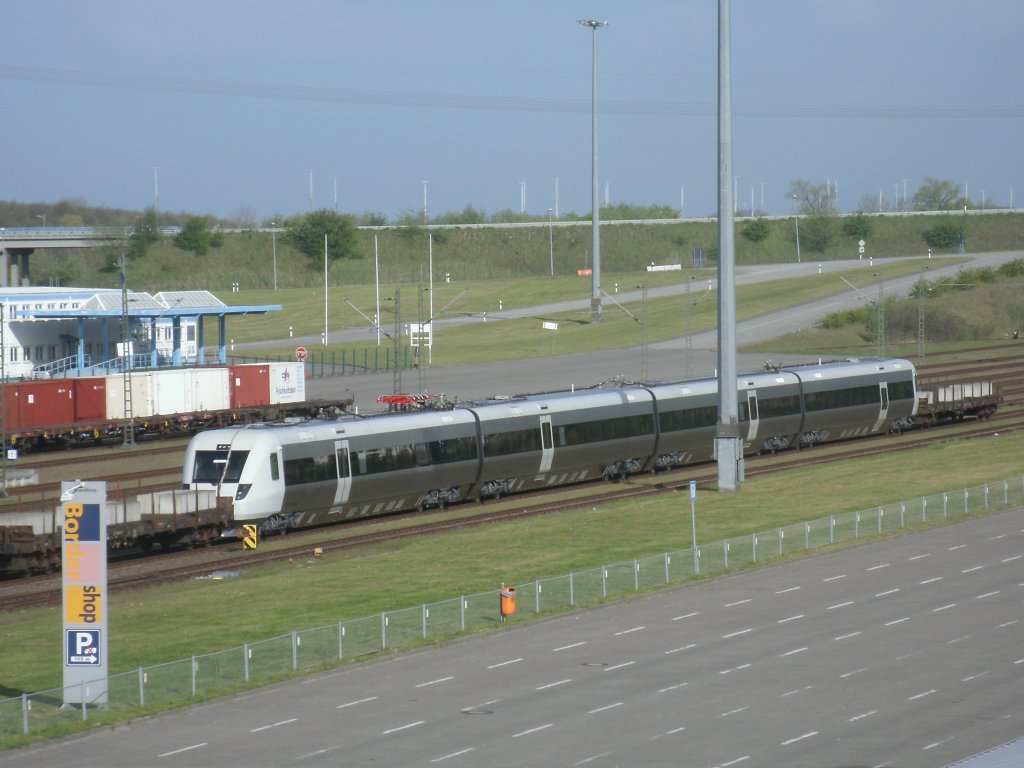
[[84, 591]]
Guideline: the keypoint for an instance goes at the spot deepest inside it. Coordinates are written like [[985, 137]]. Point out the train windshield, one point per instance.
[[218, 466]]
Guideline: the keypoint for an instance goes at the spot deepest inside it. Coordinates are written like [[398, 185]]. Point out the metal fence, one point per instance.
[[175, 683]]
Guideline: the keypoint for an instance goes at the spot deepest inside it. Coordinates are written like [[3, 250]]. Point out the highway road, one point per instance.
[[906, 652]]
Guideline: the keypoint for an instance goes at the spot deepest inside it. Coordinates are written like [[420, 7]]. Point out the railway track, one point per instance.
[[178, 565]]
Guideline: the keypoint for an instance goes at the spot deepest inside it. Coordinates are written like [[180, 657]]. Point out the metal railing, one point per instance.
[[177, 682]]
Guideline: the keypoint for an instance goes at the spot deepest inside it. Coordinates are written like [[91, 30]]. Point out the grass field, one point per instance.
[[264, 602]]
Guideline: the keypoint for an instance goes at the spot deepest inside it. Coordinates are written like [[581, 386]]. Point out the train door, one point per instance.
[[344, 472], [752, 412], [547, 445], [883, 409]]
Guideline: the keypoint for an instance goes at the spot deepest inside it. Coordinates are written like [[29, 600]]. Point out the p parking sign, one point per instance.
[[82, 648]]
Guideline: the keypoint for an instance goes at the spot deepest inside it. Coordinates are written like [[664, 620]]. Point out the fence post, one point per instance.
[[832, 529], [880, 513], [636, 575], [572, 596], [462, 612], [383, 631], [195, 667], [295, 650], [425, 612], [945, 504], [986, 495], [807, 535], [966, 503], [536, 595], [725, 553], [753, 546], [666, 559], [782, 535], [142, 688], [924, 509], [24, 713], [85, 707], [245, 652], [341, 641]]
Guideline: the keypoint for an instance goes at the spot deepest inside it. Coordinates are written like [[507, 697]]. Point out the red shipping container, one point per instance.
[[32, 404], [90, 399], [250, 385]]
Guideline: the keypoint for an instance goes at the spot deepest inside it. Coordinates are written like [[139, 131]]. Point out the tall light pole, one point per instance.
[[273, 240], [595, 227], [425, 201], [551, 241]]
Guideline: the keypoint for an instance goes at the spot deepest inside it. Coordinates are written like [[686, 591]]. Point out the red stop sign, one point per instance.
[[300, 354]]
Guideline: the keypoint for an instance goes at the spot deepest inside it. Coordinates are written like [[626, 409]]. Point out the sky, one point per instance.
[[227, 107]]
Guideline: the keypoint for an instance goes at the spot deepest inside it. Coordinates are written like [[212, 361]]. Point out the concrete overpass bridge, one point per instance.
[[18, 243]]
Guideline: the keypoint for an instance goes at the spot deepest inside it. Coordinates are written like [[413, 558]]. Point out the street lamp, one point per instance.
[[425, 201], [551, 241], [595, 299], [273, 240]]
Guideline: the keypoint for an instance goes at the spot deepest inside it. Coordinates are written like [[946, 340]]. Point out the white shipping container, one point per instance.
[[287, 383], [170, 392], [210, 389], [142, 396]]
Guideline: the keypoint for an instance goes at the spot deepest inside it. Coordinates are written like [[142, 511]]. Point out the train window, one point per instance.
[[788, 405], [605, 429], [343, 463], [312, 469], [689, 418], [901, 390], [422, 455], [842, 398], [517, 441], [208, 466], [233, 471], [275, 470]]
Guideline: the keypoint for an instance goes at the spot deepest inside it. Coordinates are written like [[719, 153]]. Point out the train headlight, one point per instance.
[[243, 491]]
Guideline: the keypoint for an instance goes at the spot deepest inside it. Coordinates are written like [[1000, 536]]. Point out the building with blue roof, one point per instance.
[[78, 331]]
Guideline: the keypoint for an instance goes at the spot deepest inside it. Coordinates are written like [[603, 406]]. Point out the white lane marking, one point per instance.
[[737, 761], [682, 648], [921, 695], [183, 749], [973, 677], [877, 567], [734, 669], [672, 687], [793, 652], [795, 691], [627, 631], [402, 727], [734, 711], [862, 715], [888, 592], [453, 754], [929, 581], [357, 701], [996, 537], [790, 618], [738, 633], [619, 666], [987, 594], [854, 672], [784, 591], [1019, 661], [1011, 559], [958, 546], [833, 578], [896, 621], [586, 760], [738, 602], [533, 730], [1008, 623], [318, 752], [918, 557], [504, 663], [674, 731], [435, 682], [944, 607], [481, 706], [274, 725], [567, 647], [795, 739], [846, 637], [972, 570], [552, 685], [686, 616], [935, 744], [605, 708], [957, 639], [839, 605]]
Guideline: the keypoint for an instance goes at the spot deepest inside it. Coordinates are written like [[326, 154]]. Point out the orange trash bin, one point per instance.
[[508, 602]]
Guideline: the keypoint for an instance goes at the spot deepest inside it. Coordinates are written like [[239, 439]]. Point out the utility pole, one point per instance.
[[595, 216]]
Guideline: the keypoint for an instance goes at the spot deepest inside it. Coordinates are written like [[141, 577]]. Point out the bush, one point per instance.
[[943, 234]]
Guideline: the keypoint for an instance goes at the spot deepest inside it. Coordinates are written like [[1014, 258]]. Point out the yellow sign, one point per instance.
[[251, 538], [83, 605]]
